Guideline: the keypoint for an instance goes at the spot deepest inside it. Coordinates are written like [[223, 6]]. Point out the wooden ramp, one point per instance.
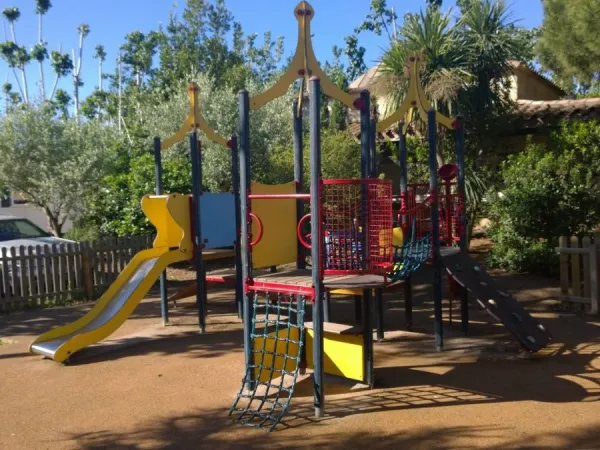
[[499, 304]]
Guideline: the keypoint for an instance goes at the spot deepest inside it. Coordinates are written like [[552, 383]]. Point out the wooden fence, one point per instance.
[[579, 270], [58, 274]]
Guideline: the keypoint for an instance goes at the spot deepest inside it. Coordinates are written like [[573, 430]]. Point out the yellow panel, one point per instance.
[[355, 291], [170, 215], [343, 354], [276, 362], [279, 243], [398, 238]]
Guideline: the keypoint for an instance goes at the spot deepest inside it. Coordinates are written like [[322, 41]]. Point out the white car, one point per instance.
[[17, 231]]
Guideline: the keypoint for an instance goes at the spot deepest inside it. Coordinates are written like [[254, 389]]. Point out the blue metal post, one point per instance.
[[235, 176], [365, 135], [298, 175], [316, 244], [435, 232], [367, 337], [462, 219], [164, 305], [373, 148], [402, 163], [244, 113], [365, 162], [198, 242]]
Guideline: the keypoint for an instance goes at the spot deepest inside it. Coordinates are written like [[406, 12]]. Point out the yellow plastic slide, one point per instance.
[[170, 215]]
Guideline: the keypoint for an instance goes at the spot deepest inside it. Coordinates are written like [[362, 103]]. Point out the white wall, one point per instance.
[[34, 214]]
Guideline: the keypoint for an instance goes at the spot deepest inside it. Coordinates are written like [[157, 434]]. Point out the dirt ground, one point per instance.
[[170, 388]]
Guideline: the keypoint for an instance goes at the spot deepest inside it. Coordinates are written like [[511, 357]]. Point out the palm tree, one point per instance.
[[444, 74], [488, 32]]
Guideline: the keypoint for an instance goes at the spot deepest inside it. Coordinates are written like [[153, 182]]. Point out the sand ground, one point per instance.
[[151, 387]]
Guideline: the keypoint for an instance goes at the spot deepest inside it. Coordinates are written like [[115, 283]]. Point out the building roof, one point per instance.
[[531, 114], [366, 80], [518, 66], [540, 113]]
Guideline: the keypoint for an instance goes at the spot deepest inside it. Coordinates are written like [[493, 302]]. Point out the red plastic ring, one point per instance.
[[260, 229], [300, 237]]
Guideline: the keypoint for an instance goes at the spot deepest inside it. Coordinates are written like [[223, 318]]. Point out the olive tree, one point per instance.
[[54, 163]]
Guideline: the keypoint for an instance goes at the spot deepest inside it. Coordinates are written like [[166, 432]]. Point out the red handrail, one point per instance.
[[260, 229], [300, 237]]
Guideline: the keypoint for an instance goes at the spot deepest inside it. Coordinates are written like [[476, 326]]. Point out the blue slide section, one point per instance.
[[218, 219]]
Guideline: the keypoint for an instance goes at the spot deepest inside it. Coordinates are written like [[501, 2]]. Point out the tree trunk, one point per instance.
[[54, 222], [42, 81], [24, 76]]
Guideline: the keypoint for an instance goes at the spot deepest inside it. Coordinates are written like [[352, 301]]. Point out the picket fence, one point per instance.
[[59, 274], [579, 270]]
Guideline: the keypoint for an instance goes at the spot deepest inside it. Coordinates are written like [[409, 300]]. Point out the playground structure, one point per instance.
[[354, 248]]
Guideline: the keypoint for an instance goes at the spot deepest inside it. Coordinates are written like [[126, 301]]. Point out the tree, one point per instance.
[[548, 191], [115, 209], [356, 57], [61, 103], [83, 30], [137, 54], [567, 45], [100, 55], [62, 64], [15, 55], [56, 164], [40, 51]]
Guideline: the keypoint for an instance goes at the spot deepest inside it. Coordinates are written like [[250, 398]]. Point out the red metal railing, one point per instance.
[[417, 207], [357, 226]]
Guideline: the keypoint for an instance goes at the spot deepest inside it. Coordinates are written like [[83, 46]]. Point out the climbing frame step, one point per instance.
[[277, 342]]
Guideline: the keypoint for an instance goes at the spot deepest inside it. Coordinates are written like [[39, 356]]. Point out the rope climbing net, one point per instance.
[[277, 342], [411, 255]]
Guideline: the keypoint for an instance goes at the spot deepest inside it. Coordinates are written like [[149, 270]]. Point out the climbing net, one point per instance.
[[411, 255], [277, 340]]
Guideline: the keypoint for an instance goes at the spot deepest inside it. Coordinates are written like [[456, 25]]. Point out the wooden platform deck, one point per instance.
[[217, 253], [304, 278]]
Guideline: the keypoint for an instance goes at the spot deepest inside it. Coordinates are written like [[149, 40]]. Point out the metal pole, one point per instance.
[[244, 152], [365, 136], [367, 338], [327, 306], [379, 313], [435, 232], [298, 175], [373, 148], [365, 166], [164, 304], [198, 243], [316, 247], [402, 162], [235, 176], [358, 308], [462, 218]]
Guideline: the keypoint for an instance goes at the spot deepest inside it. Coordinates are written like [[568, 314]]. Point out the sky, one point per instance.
[[111, 20]]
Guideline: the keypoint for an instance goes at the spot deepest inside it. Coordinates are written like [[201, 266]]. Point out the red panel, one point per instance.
[[357, 226], [416, 204]]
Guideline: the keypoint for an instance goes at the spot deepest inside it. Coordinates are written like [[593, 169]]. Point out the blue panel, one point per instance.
[[217, 219]]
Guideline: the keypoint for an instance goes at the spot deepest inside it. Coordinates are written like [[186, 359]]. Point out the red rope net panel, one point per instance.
[[357, 226], [418, 207]]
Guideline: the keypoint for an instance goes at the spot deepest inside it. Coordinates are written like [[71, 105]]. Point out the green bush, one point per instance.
[[549, 191]]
